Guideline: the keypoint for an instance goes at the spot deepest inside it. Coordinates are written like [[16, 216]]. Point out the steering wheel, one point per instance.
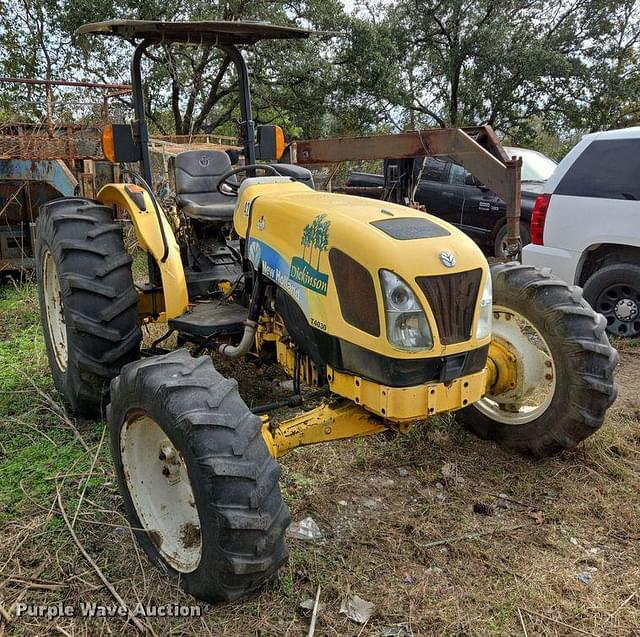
[[232, 187]]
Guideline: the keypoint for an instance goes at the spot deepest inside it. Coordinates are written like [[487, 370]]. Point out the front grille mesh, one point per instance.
[[452, 298]]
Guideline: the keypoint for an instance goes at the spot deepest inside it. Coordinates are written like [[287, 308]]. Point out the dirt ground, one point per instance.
[[553, 549]]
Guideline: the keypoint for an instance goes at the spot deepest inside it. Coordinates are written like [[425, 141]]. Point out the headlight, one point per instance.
[[485, 315], [407, 326]]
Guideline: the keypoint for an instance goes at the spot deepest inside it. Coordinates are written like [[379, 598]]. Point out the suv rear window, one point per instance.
[[607, 168]]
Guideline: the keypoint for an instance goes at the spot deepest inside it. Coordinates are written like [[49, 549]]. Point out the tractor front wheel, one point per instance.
[[199, 486], [551, 362]]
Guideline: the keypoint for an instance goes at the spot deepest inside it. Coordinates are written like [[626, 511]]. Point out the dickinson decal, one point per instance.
[[315, 239]]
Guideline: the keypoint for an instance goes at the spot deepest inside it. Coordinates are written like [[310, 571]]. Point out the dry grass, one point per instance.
[[577, 513]]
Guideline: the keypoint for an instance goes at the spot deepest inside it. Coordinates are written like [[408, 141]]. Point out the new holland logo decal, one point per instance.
[[305, 270]]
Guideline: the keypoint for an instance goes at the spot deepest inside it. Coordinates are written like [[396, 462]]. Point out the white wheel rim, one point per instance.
[[54, 310], [532, 351], [160, 488]]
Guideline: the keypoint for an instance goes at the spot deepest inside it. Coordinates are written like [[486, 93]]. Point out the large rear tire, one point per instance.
[[88, 304], [559, 341], [197, 479]]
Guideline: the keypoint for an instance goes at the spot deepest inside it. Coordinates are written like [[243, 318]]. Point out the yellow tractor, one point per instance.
[[384, 314]]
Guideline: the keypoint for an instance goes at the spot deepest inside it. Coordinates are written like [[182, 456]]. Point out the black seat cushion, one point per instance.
[[197, 173]]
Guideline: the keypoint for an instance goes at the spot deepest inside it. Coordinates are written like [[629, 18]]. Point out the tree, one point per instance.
[[533, 69], [189, 90], [318, 233], [193, 90], [513, 64], [33, 46]]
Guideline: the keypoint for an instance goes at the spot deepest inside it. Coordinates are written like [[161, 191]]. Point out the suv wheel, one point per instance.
[[614, 291], [500, 240]]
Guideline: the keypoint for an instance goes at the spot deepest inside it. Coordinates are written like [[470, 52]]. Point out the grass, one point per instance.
[[380, 504], [33, 447]]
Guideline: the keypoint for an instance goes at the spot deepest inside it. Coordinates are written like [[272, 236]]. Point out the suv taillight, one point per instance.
[[538, 218]]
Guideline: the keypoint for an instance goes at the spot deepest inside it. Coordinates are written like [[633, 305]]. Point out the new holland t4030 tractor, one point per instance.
[[384, 314]]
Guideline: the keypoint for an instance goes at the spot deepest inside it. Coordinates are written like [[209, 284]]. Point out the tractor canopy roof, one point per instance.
[[216, 33]]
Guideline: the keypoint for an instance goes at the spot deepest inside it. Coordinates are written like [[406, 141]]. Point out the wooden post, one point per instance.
[[88, 179], [49, 92]]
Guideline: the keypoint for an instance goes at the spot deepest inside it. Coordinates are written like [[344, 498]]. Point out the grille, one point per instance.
[[356, 292], [452, 298]]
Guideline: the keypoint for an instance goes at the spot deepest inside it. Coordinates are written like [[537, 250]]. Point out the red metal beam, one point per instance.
[[487, 162], [476, 148]]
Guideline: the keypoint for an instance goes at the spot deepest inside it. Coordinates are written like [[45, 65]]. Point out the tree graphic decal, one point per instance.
[[315, 235], [322, 239], [307, 239]]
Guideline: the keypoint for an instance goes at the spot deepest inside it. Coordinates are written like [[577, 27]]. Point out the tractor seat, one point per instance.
[[197, 173]]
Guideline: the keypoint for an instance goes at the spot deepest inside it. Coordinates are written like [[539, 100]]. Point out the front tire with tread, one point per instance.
[[584, 360], [234, 479]]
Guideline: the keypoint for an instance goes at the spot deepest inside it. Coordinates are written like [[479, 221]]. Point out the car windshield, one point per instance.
[[535, 165]]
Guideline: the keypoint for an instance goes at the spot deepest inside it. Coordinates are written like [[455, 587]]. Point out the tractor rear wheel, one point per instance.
[[88, 305], [564, 364], [199, 485]]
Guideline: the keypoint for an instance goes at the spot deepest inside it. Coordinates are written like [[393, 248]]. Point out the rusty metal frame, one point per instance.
[[59, 141], [476, 148]]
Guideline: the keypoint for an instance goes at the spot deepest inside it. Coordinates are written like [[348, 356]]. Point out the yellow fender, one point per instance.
[[142, 213]]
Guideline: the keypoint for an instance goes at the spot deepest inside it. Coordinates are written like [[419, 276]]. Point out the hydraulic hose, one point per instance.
[[250, 328], [245, 344]]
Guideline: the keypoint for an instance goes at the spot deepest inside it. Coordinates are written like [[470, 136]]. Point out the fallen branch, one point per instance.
[[314, 615], [5, 615], [524, 628], [626, 601], [471, 536], [560, 623], [86, 482], [36, 584], [136, 622], [56, 408], [24, 591], [505, 497]]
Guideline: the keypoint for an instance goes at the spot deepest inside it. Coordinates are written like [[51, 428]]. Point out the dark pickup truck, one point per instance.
[[452, 193]]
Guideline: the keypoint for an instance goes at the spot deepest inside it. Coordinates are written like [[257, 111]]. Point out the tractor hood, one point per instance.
[[327, 252]]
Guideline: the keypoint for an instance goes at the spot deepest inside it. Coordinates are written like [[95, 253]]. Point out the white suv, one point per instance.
[[586, 225]]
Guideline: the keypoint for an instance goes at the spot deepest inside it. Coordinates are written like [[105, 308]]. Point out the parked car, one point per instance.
[[586, 225], [452, 193]]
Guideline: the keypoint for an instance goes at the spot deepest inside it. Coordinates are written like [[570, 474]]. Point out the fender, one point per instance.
[[139, 205]]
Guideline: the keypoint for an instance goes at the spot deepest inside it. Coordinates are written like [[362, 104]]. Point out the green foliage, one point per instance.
[[540, 72], [29, 467], [27, 457], [512, 64]]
